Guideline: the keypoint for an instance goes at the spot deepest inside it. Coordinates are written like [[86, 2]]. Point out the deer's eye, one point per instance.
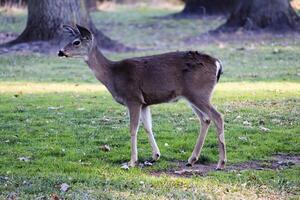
[[76, 43]]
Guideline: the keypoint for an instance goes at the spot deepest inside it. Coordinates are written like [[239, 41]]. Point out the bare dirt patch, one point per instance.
[[277, 162]]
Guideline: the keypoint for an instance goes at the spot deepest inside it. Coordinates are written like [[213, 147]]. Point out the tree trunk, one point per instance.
[[91, 4], [208, 7], [255, 15], [46, 17]]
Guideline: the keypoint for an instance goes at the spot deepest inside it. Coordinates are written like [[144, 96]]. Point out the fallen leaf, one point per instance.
[[25, 159], [55, 108], [264, 129], [187, 171], [54, 197], [180, 172], [243, 138], [147, 163], [105, 148], [12, 196], [238, 117], [246, 123], [125, 166], [64, 187]]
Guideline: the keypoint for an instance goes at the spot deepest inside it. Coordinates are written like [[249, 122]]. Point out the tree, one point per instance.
[[208, 7], [255, 15], [91, 4], [46, 17]]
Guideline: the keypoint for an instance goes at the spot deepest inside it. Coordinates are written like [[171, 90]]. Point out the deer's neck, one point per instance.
[[100, 65]]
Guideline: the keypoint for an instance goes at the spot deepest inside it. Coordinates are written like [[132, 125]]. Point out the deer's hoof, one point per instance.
[[155, 157], [221, 165], [192, 160], [188, 165], [128, 165]]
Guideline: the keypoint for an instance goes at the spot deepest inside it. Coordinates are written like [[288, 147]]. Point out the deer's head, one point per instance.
[[81, 43]]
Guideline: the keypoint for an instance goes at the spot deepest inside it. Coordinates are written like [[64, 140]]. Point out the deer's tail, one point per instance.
[[219, 71]]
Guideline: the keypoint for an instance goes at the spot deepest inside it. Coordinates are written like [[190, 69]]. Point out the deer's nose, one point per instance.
[[61, 53]]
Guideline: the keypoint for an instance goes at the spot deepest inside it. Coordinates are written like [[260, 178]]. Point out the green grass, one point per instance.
[[12, 20], [55, 112], [64, 144]]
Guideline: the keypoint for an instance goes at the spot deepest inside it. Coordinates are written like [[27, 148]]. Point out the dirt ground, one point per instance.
[[278, 162]]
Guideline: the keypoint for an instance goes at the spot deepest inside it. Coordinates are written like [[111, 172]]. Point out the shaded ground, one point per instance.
[[147, 29], [25, 48], [278, 162], [244, 38]]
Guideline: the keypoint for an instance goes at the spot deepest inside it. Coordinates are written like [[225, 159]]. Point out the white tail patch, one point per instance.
[[218, 64]]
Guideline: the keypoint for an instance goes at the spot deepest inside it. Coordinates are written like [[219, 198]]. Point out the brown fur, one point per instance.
[[146, 80]]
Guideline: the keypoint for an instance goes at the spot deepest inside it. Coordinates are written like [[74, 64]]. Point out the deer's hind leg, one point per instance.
[[205, 110], [205, 122], [219, 122]]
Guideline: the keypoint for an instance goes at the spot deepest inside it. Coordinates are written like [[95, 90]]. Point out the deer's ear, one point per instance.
[[84, 32], [71, 30]]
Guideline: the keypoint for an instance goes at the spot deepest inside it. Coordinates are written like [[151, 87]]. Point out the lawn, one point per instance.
[[55, 116]]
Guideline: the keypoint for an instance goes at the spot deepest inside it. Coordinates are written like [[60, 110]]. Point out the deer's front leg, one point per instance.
[[134, 114], [147, 121]]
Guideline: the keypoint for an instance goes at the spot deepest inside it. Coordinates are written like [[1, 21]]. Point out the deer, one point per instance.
[[140, 82]]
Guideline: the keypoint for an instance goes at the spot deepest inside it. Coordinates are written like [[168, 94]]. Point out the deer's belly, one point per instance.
[[156, 97]]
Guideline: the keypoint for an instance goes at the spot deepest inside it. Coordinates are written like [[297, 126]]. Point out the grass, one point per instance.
[[54, 112], [12, 20], [62, 133]]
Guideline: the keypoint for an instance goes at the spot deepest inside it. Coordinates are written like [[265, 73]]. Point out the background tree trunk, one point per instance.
[[45, 18], [208, 7], [253, 15], [91, 4]]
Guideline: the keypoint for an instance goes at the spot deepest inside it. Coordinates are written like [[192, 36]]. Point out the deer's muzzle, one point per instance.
[[62, 54]]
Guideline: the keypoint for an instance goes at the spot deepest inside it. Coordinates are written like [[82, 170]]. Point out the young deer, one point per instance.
[[140, 82]]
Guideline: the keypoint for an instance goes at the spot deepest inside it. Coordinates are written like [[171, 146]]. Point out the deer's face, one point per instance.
[[81, 43]]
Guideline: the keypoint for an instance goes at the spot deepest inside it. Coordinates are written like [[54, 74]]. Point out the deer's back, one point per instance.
[[161, 78]]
